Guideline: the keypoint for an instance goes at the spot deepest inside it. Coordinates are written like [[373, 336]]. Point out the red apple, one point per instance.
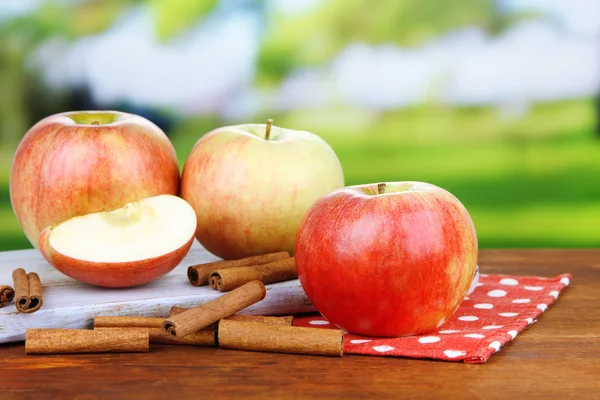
[[251, 185], [387, 260], [77, 163], [125, 247]]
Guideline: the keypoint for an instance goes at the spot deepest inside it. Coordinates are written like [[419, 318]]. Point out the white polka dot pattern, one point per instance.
[[383, 349], [454, 353], [475, 335], [508, 314], [495, 345], [429, 339], [498, 308], [490, 327], [534, 288]]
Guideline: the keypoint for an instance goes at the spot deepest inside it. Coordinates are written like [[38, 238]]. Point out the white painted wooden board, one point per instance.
[[72, 304]]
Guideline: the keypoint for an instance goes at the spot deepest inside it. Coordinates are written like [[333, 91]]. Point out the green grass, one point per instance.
[[527, 182]]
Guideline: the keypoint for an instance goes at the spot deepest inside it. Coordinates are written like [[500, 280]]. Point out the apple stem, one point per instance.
[[381, 188], [268, 131], [95, 123]]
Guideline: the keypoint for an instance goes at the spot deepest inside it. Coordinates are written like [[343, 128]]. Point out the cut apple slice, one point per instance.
[[127, 247]]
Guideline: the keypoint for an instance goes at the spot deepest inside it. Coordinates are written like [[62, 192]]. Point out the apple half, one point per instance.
[[127, 247]]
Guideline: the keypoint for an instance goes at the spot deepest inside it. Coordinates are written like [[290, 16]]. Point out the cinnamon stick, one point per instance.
[[204, 337], [263, 319], [277, 271], [127, 322], [21, 283], [74, 341], [7, 294], [198, 274], [28, 291], [210, 312], [177, 310], [280, 339]]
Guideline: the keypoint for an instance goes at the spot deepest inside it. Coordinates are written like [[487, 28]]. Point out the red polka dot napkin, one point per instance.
[[499, 308]]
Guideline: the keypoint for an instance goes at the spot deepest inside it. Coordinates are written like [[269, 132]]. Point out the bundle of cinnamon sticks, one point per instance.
[[215, 323], [7, 294], [27, 293], [230, 274]]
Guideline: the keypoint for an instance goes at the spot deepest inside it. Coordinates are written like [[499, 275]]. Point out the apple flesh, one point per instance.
[[126, 247], [251, 189], [78, 163], [387, 260]]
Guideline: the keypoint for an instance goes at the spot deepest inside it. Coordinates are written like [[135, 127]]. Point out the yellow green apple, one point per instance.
[[250, 186]]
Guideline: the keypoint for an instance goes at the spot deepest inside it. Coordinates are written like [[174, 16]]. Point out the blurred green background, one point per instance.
[[493, 100]]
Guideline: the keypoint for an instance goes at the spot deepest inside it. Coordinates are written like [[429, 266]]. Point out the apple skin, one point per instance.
[[112, 274], [249, 193], [387, 265], [63, 169]]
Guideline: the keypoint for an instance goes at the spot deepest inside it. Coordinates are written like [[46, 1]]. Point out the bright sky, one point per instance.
[[579, 16]]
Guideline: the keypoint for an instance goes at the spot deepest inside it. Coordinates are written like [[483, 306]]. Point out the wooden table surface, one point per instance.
[[556, 358]]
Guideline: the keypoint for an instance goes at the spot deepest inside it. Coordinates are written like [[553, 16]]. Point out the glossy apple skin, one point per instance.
[[62, 169], [387, 265], [250, 194], [112, 274]]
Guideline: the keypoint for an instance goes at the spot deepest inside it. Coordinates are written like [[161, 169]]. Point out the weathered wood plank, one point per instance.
[[72, 304]]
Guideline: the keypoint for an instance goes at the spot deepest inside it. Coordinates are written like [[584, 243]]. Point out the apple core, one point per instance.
[[145, 229]]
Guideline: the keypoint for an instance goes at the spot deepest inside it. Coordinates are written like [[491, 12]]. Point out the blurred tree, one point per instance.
[[598, 114], [289, 41], [175, 16], [20, 37], [13, 82], [317, 36]]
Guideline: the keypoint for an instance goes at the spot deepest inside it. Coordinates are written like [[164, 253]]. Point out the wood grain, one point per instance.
[[555, 358]]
